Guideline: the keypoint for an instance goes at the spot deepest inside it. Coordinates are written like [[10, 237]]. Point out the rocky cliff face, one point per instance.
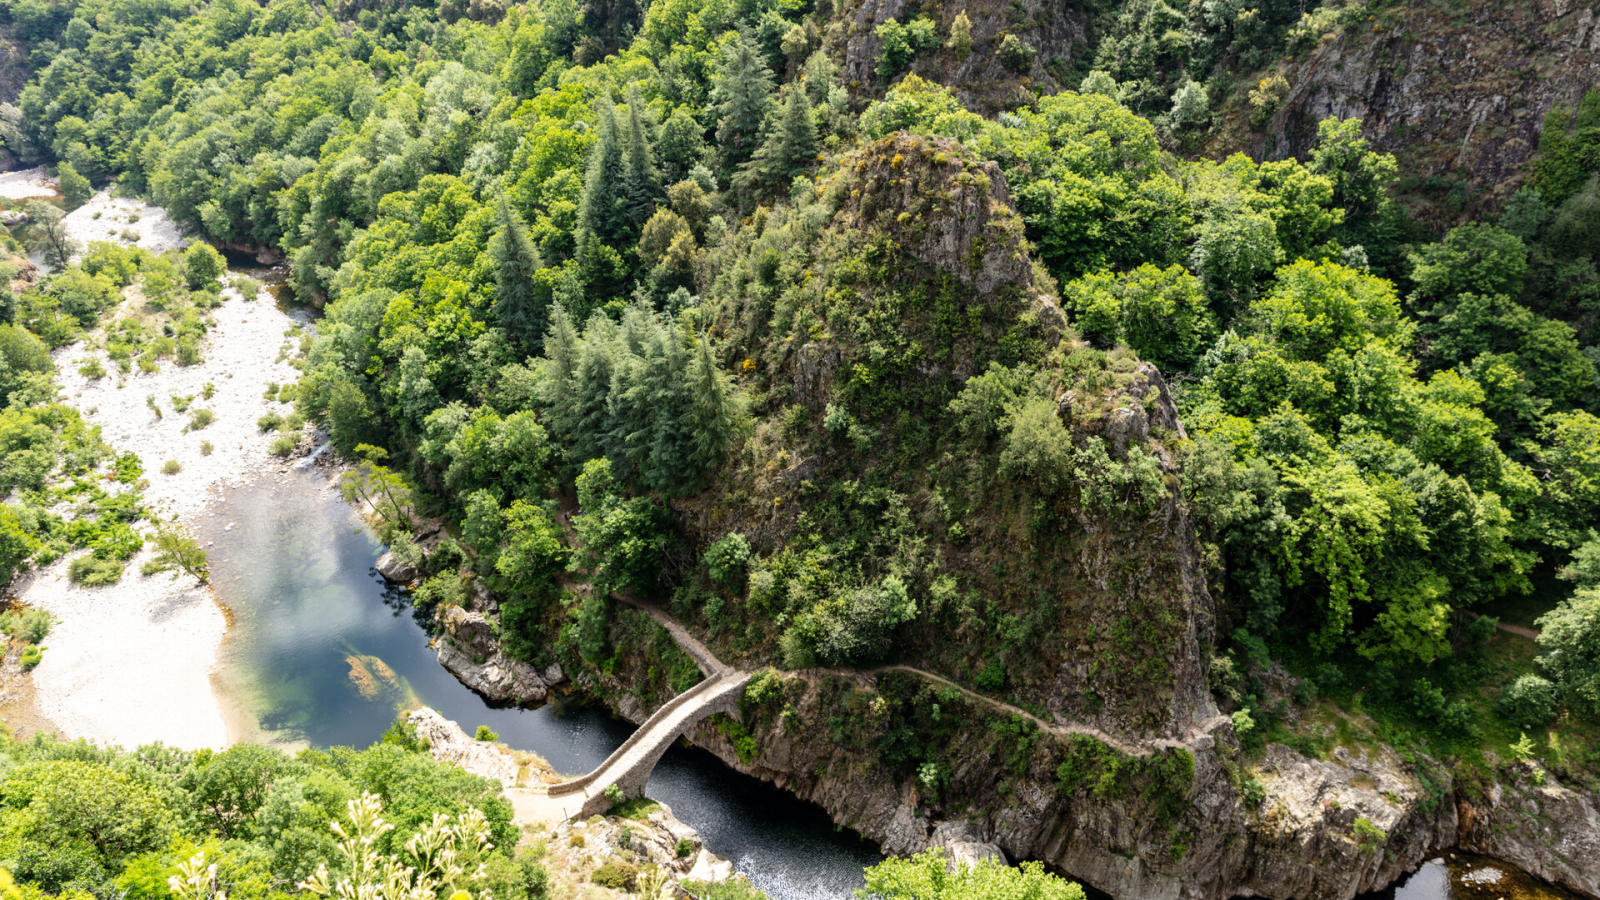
[[1052, 34], [1529, 819], [1459, 92]]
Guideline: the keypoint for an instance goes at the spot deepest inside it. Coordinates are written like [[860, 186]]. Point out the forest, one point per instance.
[[663, 273]]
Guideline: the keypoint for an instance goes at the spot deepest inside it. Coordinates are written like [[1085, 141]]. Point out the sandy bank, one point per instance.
[[134, 662]]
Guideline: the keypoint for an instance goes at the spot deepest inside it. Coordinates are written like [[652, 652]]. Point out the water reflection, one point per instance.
[[1462, 876], [324, 653]]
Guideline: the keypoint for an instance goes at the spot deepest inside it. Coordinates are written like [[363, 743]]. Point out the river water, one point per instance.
[[324, 653]]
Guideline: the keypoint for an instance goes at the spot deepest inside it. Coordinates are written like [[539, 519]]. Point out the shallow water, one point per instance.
[[1461, 876], [323, 652]]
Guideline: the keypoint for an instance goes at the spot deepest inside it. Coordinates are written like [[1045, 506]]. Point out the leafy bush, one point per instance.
[[619, 876], [484, 734], [725, 560], [90, 571], [901, 43], [31, 656], [1528, 703], [927, 876], [206, 448], [685, 847], [28, 625], [200, 418], [284, 446], [171, 467], [269, 422]]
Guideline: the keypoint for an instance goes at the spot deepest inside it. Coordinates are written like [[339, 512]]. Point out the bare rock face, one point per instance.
[[1301, 841], [986, 83], [448, 743], [1548, 830], [394, 570], [471, 652], [1464, 94]]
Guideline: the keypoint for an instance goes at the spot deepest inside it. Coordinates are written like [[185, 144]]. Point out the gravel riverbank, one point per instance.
[[135, 662]]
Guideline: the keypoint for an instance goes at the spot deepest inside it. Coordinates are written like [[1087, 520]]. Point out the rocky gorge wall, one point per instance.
[[1458, 90], [1282, 825]]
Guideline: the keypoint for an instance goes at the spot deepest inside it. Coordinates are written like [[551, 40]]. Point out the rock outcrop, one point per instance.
[[471, 652], [448, 743], [1461, 96], [395, 570], [1533, 822]]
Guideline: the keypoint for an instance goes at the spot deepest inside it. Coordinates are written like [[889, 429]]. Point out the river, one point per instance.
[[324, 653]]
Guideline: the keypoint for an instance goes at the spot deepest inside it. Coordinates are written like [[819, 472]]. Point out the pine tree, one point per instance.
[[742, 90], [563, 349], [672, 401], [599, 213], [789, 149], [516, 303], [628, 441], [591, 412], [712, 417], [641, 180]]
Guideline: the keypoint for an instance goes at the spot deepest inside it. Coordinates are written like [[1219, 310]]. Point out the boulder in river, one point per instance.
[[395, 570]]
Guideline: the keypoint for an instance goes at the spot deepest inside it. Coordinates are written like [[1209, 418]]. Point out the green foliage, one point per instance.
[[1161, 782], [1529, 702], [28, 625], [484, 734], [91, 571], [74, 187], [927, 876], [735, 888], [898, 44], [726, 558], [623, 537], [203, 267], [617, 875], [177, 551], [1368, 835], [1162, 314]]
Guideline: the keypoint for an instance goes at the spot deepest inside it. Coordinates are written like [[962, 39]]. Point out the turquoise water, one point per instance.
[[324, 653]]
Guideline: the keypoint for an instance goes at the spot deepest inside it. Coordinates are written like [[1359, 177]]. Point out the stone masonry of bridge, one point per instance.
[[629, 766]]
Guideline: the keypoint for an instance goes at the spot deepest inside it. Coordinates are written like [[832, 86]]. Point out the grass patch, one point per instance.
[[637, 809]]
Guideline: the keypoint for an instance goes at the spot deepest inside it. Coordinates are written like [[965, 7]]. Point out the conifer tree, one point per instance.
[[672, 401], [714, 414], [742, 91], [599, 213], [564, 350], [628, 442], [591, 412], [960, 42], [642, 189], [788, 150], [516, 303]]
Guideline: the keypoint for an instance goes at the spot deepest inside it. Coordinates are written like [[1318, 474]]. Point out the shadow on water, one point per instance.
[[325, 653]]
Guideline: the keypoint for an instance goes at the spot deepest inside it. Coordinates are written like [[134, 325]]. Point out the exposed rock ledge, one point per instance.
[[469, 650], [660, 838]]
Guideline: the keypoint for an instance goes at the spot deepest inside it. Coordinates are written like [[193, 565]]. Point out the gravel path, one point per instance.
[[134, 662]]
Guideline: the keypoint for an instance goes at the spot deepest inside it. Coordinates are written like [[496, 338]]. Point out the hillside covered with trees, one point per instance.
[[675, 300]]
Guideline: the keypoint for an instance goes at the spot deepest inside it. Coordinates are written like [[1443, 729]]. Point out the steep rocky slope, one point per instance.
[[1457, 91], [1091, 740]]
